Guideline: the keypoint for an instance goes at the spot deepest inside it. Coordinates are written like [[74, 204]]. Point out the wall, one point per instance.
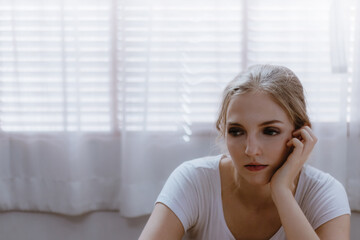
[[92, 226]]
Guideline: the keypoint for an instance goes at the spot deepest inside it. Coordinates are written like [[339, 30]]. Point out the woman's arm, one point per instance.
[[296, 225], [337, 228], [163, 224], [294, 222]]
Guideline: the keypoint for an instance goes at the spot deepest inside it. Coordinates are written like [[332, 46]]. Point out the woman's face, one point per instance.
[[257, 130]]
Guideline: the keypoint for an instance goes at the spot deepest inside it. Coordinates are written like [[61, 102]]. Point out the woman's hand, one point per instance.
[[302, 143]]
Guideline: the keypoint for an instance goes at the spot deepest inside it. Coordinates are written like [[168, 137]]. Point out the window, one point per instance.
[[107, 66]]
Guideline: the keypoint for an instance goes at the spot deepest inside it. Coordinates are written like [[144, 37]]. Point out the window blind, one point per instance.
[[137, 65], [298, 34], [352, 26], [173, 59], [55, 59]]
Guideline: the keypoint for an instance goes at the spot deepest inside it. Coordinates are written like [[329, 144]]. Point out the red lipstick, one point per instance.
[[254, 167]]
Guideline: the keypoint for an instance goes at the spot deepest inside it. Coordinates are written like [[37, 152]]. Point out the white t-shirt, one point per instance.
[[193, 193]]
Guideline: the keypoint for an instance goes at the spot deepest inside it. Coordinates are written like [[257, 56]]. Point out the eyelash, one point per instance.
[[271, 131], [235, 132]]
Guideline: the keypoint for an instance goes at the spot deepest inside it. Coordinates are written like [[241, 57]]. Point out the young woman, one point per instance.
[[259, 189]]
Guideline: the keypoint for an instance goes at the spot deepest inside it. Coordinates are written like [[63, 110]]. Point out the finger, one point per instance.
[[307, 129], [310, 131], [297, 154], [301, 135], [297, 144], [305, 134], [305, 137]]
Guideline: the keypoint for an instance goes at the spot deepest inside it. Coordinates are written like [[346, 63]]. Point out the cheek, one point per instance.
[[280, 149], [230, 144], [234, 144]]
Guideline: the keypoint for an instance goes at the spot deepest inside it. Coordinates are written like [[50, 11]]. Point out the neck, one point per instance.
[[253, 196]]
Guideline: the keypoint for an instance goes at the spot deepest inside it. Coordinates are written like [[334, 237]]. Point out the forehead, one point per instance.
[[255, 107]]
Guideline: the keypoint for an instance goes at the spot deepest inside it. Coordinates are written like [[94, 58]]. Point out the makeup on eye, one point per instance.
[[268, 128], [235, 131], [271, 131]]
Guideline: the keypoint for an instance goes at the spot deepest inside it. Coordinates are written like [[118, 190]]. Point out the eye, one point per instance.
[[271, 131], [235, 132]]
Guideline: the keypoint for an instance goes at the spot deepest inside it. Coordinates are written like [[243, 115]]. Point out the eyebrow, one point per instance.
[[262, 124]]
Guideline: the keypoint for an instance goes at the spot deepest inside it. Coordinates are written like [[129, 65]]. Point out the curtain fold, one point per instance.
[[339, 32], [67, 174], [147, 161], [330, 153], [354, 124]]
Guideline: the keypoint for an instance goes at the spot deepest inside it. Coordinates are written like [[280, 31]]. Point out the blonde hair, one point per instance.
[[278, 81]]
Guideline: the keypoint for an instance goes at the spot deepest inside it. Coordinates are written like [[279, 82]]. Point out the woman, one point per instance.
[[261, 188]]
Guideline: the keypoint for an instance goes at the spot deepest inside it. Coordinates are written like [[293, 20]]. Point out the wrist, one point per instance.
[[284, 187], [281, 194]]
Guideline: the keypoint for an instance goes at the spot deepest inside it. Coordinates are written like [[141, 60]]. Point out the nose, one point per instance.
[[252, 146]]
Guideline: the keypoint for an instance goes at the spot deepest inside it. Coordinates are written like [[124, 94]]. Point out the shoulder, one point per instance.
[[314, 174], [204, 166], [321, 196], [314, 180], [194, 173], [189, 188], [209, 162]]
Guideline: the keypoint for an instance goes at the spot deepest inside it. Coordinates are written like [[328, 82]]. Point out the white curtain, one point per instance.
[[59, 148], [62, 173], [101, 100], [354, 124]]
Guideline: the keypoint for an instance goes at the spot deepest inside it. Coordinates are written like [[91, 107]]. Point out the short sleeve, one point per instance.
[[180, 194], [326, 199]]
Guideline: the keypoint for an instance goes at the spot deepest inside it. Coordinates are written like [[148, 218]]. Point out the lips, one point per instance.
[[255, 167]]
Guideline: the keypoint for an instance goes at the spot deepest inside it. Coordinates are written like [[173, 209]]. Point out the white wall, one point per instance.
[[92, 226]]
